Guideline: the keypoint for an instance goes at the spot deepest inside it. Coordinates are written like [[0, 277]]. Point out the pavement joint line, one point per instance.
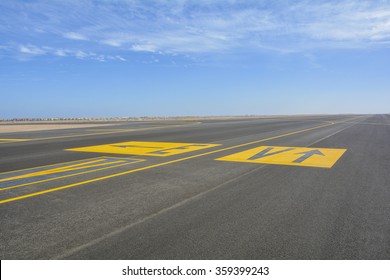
[[387, 124], [332, 134], [153, 215], [160, 164], [135, 160]]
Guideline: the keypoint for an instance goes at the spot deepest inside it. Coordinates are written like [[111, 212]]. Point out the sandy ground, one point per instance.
[[38, 127]]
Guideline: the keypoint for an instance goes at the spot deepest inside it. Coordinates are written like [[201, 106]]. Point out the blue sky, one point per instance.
[[79, 58]]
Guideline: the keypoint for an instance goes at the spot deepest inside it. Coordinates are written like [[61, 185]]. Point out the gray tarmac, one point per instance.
[[192, 206]]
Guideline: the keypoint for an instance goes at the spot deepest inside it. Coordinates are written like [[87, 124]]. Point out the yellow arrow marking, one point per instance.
[[297, 156]]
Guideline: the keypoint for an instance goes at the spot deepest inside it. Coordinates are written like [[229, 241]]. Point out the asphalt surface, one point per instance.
[[188, 205]]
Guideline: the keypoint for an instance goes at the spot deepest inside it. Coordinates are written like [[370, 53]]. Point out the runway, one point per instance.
[[298, 187]]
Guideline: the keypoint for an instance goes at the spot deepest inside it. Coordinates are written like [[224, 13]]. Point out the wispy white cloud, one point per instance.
[[60, 52], [31, 50], [144, 48], [350, 22], [113, 42], [75, 36], [191, 27]]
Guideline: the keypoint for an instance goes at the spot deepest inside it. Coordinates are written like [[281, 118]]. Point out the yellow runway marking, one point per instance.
[[102, 133], [11, 140], [47, 173], [160, 164], [297, 156], [159, 149], [50, 171], [108, 130]]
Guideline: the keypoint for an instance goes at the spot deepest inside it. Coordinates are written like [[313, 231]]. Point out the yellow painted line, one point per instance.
[[49, 165], [14, 139], [84, 161], [110, 132], [295, 156], [66, 176], [59, 170], [159, 149], [72, 175], [161, 164], [10, 140]]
